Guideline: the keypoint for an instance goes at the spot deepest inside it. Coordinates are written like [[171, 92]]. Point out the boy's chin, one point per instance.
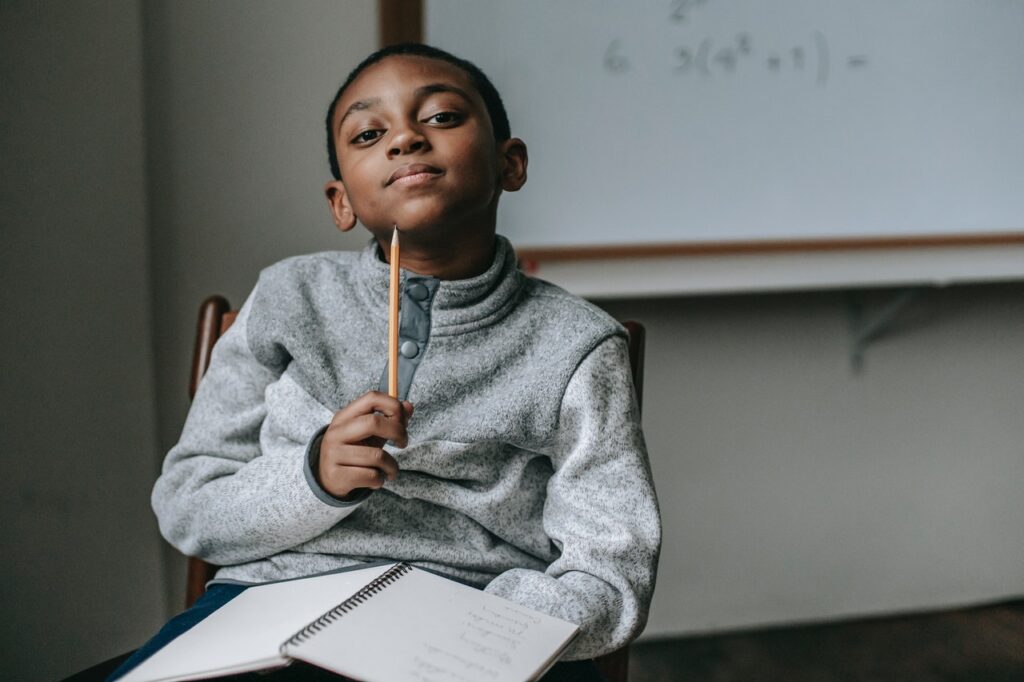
[[420, 227], [435, 215], [405, 228]]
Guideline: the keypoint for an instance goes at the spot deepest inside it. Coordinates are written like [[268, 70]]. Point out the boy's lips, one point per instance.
[[412, 169]]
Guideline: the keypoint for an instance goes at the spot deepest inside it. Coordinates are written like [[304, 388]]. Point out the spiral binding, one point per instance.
[[373, 587]]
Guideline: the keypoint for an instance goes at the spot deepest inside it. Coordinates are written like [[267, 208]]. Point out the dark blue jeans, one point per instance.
[[218, 595], [214, 598]]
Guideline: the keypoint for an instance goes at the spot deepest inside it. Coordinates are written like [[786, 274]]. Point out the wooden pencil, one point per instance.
[[393, 318]]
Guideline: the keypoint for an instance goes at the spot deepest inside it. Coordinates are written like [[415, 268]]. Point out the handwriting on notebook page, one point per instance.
[[482, 645]]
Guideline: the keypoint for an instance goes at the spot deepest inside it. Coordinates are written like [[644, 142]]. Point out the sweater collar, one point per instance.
[[459, 305]]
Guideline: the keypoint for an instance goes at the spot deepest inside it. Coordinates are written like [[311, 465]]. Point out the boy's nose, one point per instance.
[[406, 141]]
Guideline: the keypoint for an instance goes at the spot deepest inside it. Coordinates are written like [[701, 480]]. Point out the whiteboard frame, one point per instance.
[[737, 267], [662, 269]]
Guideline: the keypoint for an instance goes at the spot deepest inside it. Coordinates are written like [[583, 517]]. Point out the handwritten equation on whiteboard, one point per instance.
[[708, 56]]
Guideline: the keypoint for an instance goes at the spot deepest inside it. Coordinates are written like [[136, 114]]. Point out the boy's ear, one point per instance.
[[513, 158], [341, 207]]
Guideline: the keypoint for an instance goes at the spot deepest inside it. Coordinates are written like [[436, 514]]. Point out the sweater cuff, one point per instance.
[[312, 463]]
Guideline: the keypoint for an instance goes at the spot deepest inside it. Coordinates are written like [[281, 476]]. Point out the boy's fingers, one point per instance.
[[359, 477], [369, 402], [365, 426], [365, 457]]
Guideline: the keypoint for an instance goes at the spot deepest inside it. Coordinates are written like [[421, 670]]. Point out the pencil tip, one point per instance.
[[394, 235]]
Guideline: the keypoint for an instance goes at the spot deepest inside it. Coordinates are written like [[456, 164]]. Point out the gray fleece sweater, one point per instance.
[[525, 472]]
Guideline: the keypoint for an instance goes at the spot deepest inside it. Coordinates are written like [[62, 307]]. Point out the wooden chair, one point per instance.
[[215, 316]]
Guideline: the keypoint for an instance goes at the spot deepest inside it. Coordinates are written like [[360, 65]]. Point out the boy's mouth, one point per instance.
[[410, 171]]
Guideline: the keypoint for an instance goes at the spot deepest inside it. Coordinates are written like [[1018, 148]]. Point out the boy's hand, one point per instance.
[[352, 455]]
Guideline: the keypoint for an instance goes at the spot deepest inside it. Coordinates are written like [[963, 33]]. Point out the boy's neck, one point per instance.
[[469, 258]]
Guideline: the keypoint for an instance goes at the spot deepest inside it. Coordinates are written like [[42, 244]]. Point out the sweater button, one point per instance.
[[409, 349], [418, 292]]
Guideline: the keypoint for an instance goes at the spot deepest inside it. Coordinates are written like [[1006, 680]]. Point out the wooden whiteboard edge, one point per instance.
[[399, 21]]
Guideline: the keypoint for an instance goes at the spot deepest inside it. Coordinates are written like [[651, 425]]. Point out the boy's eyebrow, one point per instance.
[[360, 105], [434, 88]]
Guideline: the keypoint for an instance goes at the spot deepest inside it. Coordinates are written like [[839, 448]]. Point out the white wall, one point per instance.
[[80, 576], [795, 489], [236, 94]]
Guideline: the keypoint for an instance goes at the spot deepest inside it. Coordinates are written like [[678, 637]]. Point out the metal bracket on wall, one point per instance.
[[864, 329]]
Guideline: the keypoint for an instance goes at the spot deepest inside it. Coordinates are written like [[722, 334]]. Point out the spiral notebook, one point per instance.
[[388, 623]]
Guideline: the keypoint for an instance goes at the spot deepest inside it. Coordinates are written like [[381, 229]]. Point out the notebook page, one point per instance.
[[425, 628], [247, 632]]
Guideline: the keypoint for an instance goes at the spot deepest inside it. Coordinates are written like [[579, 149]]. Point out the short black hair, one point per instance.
[[483, 85]]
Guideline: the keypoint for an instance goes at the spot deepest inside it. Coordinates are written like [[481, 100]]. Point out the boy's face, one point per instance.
[[416, 149]]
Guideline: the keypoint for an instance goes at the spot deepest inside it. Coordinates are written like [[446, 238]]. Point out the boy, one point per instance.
[[521, 469]]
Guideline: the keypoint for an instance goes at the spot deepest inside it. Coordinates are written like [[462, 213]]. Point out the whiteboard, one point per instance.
[[715, 121]]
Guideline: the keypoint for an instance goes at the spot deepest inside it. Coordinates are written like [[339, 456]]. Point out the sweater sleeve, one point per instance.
[[601, 511], [234, 489]]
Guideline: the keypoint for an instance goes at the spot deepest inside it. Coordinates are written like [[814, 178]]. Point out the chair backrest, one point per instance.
[[216, 316]]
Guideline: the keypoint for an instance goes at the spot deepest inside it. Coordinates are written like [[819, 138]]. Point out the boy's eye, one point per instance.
[[366, 136], [444, 118]]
